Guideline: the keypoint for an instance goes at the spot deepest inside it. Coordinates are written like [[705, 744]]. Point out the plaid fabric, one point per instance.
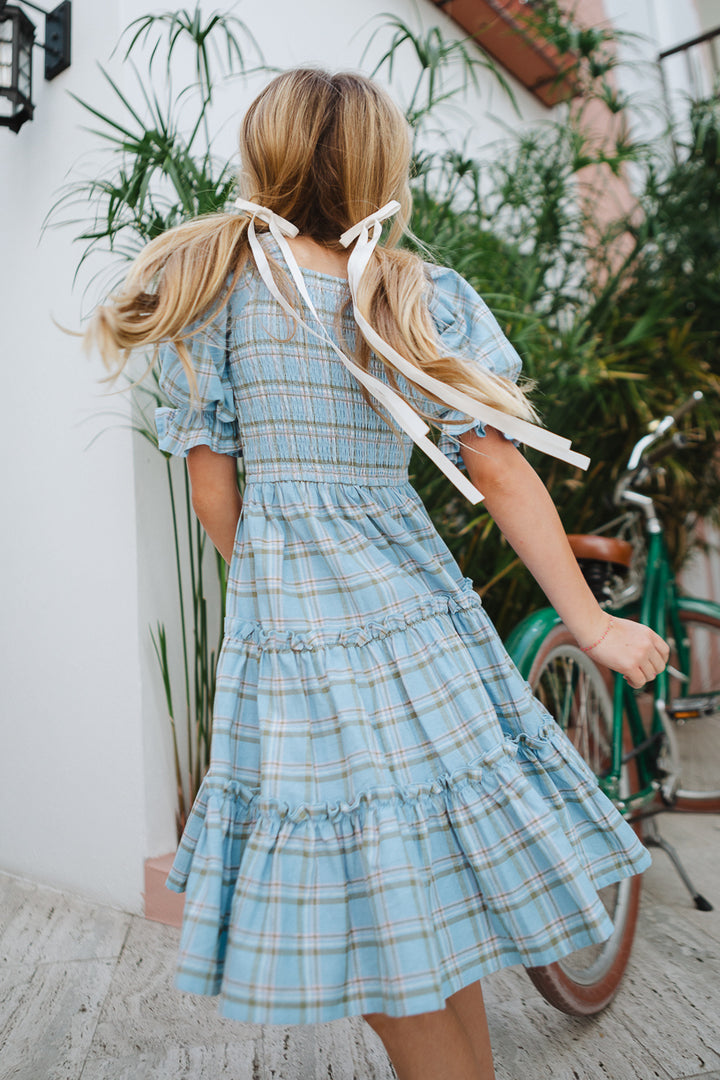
[[389, 813]]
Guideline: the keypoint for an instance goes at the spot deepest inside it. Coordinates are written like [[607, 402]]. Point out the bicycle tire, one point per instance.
[[697, 737], [585, 982]]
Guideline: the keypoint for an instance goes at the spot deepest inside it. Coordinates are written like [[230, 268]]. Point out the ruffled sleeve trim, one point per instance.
[[179, 430], [466, 327], [449, 439]]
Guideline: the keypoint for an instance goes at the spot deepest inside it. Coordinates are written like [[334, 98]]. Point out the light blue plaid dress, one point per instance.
[[389, 814]]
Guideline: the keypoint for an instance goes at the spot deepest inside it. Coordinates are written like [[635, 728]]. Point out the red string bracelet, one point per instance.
[[602, 637]]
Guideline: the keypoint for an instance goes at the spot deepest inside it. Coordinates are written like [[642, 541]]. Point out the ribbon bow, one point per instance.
[[376, 218], [276, 223]]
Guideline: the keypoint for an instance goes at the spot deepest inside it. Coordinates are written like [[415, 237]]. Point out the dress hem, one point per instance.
[[428, 1002]]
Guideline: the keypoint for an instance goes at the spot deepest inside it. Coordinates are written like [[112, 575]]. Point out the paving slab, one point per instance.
[[670, 996], [533, 1041], [144, 1014], [49, 1023], [350, 1050], [231, 1061], [39, 923]]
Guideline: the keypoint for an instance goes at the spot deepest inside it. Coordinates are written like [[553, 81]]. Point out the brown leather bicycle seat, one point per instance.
[[602, 548]]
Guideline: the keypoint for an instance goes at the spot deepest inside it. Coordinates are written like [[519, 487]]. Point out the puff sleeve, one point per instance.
[[467, 328], [208, 418]]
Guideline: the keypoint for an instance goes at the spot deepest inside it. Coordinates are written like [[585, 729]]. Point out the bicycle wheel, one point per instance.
[[694, 706], [574, 692]]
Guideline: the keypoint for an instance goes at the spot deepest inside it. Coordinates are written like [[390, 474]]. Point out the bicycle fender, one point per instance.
[[523, 642], [697, 606]]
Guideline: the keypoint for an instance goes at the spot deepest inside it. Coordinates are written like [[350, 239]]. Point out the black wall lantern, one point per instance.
[[17, 38]]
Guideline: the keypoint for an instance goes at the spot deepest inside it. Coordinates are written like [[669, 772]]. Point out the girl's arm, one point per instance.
[[518, 501], [215, 496]]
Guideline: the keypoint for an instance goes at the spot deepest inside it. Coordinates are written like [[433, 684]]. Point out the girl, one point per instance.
[[389, 813]]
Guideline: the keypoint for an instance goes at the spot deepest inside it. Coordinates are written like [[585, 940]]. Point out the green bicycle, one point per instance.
[[655, 749]]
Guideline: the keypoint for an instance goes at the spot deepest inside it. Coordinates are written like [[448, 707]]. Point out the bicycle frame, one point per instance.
[[658, 608]]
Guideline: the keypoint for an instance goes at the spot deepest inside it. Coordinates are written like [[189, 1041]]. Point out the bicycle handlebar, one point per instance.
[[640, 455], [665, 424], [694, 399]]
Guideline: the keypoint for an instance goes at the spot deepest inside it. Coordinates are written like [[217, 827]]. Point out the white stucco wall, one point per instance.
[[657, 25], [86, 783], [71, 784], [708, 14]]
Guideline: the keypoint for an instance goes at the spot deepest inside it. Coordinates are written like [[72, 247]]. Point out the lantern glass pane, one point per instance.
[[6, 53], [5, 67], [24, 60], [7, 107]]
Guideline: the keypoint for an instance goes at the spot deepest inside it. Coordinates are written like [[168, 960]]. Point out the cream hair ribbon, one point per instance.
[[512, 426]]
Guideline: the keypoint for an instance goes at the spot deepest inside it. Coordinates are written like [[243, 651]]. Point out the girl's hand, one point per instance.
[[631, 649]]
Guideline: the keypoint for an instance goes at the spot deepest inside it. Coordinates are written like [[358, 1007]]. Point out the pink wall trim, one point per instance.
[[161, 904], [610, 196]]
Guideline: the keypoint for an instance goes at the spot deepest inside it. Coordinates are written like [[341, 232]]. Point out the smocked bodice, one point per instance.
[[301, 413]]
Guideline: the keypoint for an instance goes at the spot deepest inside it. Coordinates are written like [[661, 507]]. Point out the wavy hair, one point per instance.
[[322, 151]]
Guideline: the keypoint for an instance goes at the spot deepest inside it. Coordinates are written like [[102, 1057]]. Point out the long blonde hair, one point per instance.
[[322, 151]]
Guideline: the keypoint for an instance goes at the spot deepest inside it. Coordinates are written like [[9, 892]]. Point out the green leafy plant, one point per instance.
[[160, 165], [444, 68]]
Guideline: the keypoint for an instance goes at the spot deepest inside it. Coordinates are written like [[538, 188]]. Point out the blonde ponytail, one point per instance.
[[178, 277]]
